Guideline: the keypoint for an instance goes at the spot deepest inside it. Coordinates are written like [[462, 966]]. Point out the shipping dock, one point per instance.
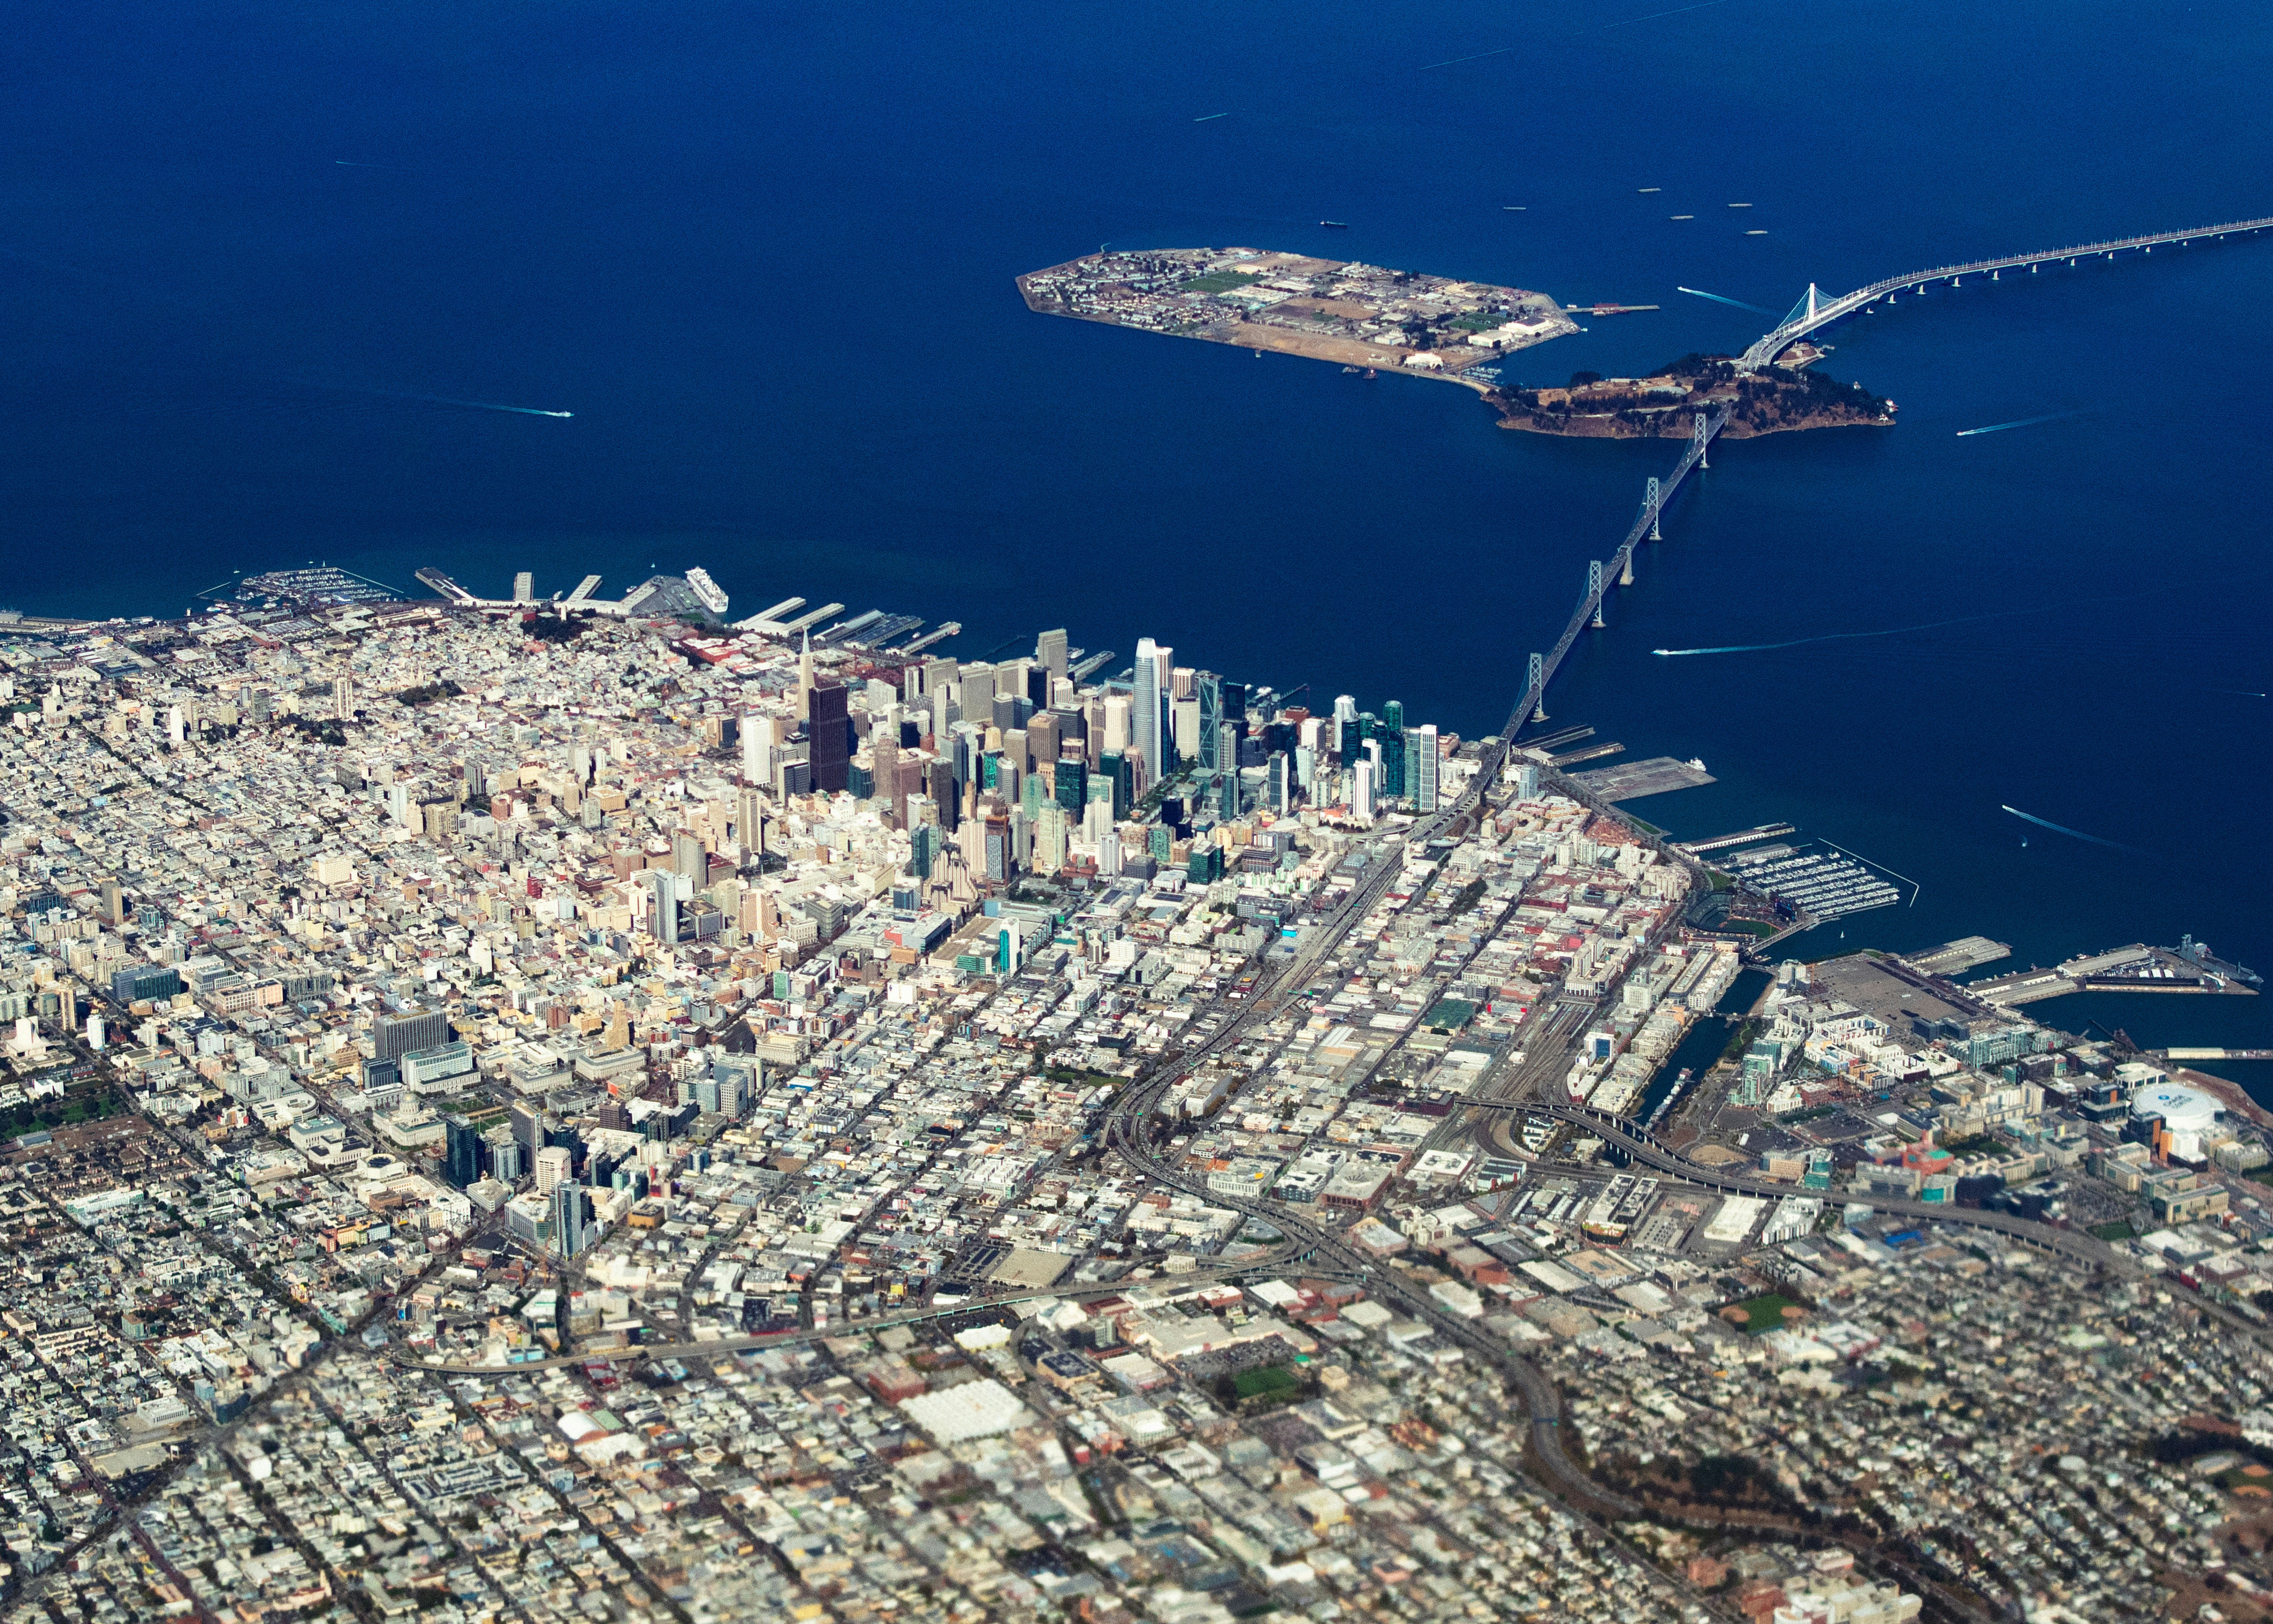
[[2135, 968], [1956, 957]]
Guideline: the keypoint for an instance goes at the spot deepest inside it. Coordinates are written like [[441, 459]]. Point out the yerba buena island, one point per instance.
[[559, 1108]]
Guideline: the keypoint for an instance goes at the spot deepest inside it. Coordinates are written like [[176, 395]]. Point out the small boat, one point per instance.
[[1371, 374], [1350, 369], [1335, 225]]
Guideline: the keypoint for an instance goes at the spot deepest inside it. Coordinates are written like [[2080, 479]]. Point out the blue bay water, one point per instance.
[[764, 253]]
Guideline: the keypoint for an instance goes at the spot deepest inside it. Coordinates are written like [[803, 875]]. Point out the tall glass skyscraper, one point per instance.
[[1209, 688], [1151, 682], [1422, 760]]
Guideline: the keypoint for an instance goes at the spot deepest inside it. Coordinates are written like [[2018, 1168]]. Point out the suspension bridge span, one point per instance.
[[1601, 577], [1817, 310]]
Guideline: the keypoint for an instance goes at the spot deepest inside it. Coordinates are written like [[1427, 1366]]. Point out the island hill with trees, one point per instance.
[[1664, 404]]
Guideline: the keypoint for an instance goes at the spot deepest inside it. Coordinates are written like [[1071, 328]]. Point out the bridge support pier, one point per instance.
[[1701, 437], [1626, 573], [1535, 684], [1652, 501], [1595, 591]]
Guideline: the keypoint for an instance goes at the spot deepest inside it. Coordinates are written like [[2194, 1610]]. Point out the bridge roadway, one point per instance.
[[1618, 568], [1812, 315]]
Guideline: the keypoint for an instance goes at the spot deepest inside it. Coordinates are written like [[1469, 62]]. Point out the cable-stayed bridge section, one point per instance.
[[1817, 310]]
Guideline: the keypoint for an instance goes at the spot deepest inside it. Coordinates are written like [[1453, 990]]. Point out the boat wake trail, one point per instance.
[[2019, 423], [527, 411], [2062, 828], [1455, 61], [1717, 299], [445, 400], [1891, 631]]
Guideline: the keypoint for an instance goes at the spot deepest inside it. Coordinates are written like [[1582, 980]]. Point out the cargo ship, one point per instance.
[[2197, 953]]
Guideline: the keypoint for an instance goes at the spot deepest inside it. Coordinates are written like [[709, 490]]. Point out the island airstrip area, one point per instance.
[[1362, 316]]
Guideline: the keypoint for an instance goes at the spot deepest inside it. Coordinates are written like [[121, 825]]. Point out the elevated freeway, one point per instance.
[[1131, 1131], [1652, 1151]]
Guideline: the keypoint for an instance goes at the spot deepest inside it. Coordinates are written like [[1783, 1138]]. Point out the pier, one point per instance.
[[2135, 968], [1559, 739], [1585, 753], [1721, 843], [1660, 775], [1955, 958]]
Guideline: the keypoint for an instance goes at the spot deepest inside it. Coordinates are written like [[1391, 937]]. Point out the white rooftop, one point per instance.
[[974, 1410]]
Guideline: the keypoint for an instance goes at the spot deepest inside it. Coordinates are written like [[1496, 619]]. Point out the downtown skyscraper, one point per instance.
[[1147, 700]]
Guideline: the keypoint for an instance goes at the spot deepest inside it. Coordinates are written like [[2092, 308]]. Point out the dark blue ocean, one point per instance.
[[764, 253]]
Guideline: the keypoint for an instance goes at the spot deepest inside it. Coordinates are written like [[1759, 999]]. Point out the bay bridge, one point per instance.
[[1814, 312], [1620, 568]]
